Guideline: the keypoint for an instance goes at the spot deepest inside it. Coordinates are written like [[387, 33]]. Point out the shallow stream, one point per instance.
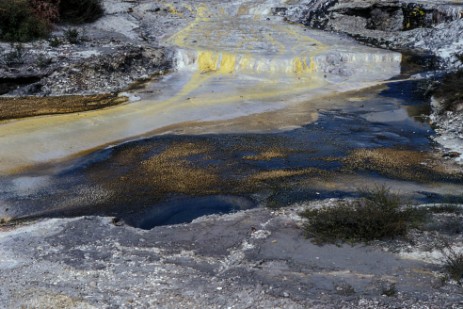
[[258, 113]]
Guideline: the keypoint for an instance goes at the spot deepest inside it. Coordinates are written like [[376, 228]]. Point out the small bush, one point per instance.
[[15, 56], [20, 23], [46, 10], [72, 36], [54, 42], [453, 261], [43, 61], [379, 215], [389, 289], [459, 57], [80, 11], [454, 266]]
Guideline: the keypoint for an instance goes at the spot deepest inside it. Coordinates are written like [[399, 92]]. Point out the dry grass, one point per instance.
[[11, 108], [395, 163], [146, 173], [278, 174], [269, 154], [5, 220], [170, 171], [279, 180]]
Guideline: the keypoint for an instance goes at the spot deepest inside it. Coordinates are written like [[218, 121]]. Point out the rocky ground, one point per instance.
[[102, 57], [449, 129], [253, 259], [431, 28]]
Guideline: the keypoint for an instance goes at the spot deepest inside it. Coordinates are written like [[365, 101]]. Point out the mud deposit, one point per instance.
[[13, 107], [380, 136]]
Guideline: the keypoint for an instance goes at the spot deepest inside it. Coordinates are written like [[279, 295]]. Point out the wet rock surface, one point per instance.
[[257, 258], [431, 27], [449, 129]]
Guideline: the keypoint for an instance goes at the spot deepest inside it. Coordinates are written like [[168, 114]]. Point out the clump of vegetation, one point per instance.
[[19, 22], [399, 164], [43, 61], [15, 56], [5, 220], [446, 209], [80, 11], [450, 93], [454, 266], [414, 17], [54, 42], [452, 260], [389, 289], [45, 10], [378, 215], [26, 20], [72, 36]]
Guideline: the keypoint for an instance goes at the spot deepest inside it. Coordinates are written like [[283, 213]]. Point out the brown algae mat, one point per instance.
[[13, 108]]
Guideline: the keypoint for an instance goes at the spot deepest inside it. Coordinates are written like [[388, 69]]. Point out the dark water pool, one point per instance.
[[173, 179]]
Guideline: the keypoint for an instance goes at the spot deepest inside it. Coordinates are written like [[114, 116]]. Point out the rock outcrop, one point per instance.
[[429, 27]]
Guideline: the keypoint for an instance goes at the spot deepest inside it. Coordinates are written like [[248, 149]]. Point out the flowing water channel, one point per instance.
[[258, 112]]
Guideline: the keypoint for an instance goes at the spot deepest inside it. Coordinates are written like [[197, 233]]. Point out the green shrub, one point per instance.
[[389, 289], [454, 266], [19, 23], [46, 10], [26, 20], [452, 260], [80, 11], [379, 215], [72, 36], [43, 61]]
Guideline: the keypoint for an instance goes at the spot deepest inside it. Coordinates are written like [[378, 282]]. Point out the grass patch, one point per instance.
[[378, 215], [454, 266], [398, 164], [267, 155], [170, 171], [452, 260], [389, 289], [72, 36], [446, 209], [277, 174], [5, 220]]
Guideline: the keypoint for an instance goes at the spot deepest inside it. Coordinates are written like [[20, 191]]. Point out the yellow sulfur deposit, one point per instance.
[[300, 66], [227, 64], [207, 61]]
